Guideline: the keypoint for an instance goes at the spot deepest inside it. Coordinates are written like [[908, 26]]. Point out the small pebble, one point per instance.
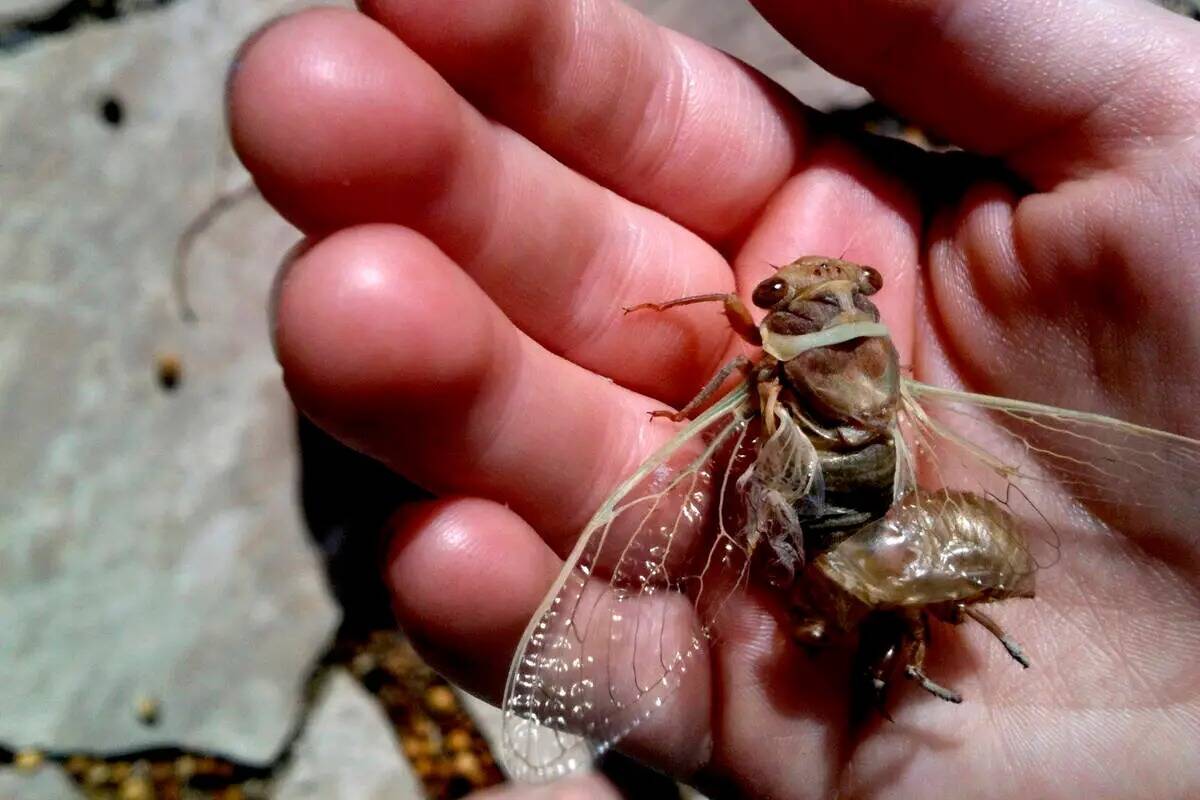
[[147, 710], [185, 768], [425, 728], [97, 774], [458, 741], [468, 766], [136, 788], [363, 663], [112, 111], [417, 748], [423, 767], [28, 760], [440, 700], [170, 371]]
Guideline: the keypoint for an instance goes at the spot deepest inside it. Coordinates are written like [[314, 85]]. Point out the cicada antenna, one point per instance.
[[849, 244]]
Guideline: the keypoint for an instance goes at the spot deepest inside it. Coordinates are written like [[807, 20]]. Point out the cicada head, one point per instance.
[[815, 277]]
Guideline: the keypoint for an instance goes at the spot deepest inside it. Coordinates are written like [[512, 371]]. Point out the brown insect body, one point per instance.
[[878, 566], [844, 395]]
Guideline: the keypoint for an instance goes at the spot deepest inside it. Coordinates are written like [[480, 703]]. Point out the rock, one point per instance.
[[1189, 8], [487, 718], [152, 547], [152, 554], [17, 10], [740, 31], [347, 749], [47, 782]]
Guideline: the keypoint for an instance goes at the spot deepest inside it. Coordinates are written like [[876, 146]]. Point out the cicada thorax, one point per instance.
[[850, 390], [868, 551], [845, 396]]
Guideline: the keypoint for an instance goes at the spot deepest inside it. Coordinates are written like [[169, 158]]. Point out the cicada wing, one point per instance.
[[636, 602], [1062, 473]]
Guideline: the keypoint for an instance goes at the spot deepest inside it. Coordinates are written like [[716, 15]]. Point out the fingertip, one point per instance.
[[466, 575], [235, 63], [319, 100], [376, 316]]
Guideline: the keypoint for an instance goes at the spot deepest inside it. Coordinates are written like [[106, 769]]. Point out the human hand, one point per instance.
[[484, 185]]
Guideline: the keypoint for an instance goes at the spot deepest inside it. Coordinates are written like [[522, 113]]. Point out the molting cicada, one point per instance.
[[871, 502]]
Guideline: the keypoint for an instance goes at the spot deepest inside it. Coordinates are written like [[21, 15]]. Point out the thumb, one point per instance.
[[1057, 89]]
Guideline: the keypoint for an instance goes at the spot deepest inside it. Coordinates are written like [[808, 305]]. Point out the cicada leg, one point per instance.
[[914, 668], [958, 613], [743, 325], [994, 629], [735, 311], [881, 640], [700, 400], [768, 400]]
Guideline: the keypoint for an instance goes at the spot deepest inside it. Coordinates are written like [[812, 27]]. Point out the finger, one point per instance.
[[590, 786], [1056, 88], [341, 124], [776, 704], [660, 118], [466, 576], [389, 346], [471, 635]]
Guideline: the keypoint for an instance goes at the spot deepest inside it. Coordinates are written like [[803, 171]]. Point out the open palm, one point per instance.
[[486, 184]]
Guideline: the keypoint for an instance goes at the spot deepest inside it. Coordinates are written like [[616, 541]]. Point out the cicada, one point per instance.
[[873, 503]]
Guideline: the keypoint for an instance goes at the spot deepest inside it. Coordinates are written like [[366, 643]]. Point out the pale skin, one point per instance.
[[486, 185]]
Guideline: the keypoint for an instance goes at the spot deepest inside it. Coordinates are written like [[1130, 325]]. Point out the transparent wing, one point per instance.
[[637, 601], [1062, 474]]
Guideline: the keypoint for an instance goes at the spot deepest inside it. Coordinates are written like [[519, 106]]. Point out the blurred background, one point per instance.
[[190, 603]]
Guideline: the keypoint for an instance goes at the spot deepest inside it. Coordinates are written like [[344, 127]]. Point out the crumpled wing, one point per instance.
[[636, 601]]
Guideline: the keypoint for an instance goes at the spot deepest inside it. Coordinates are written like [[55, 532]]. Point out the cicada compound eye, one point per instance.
[[771, 292], [871, 281]]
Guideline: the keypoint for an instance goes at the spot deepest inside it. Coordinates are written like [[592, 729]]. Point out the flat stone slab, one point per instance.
[[19, 10], [153, 558], [347, 751], [47, 782]]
